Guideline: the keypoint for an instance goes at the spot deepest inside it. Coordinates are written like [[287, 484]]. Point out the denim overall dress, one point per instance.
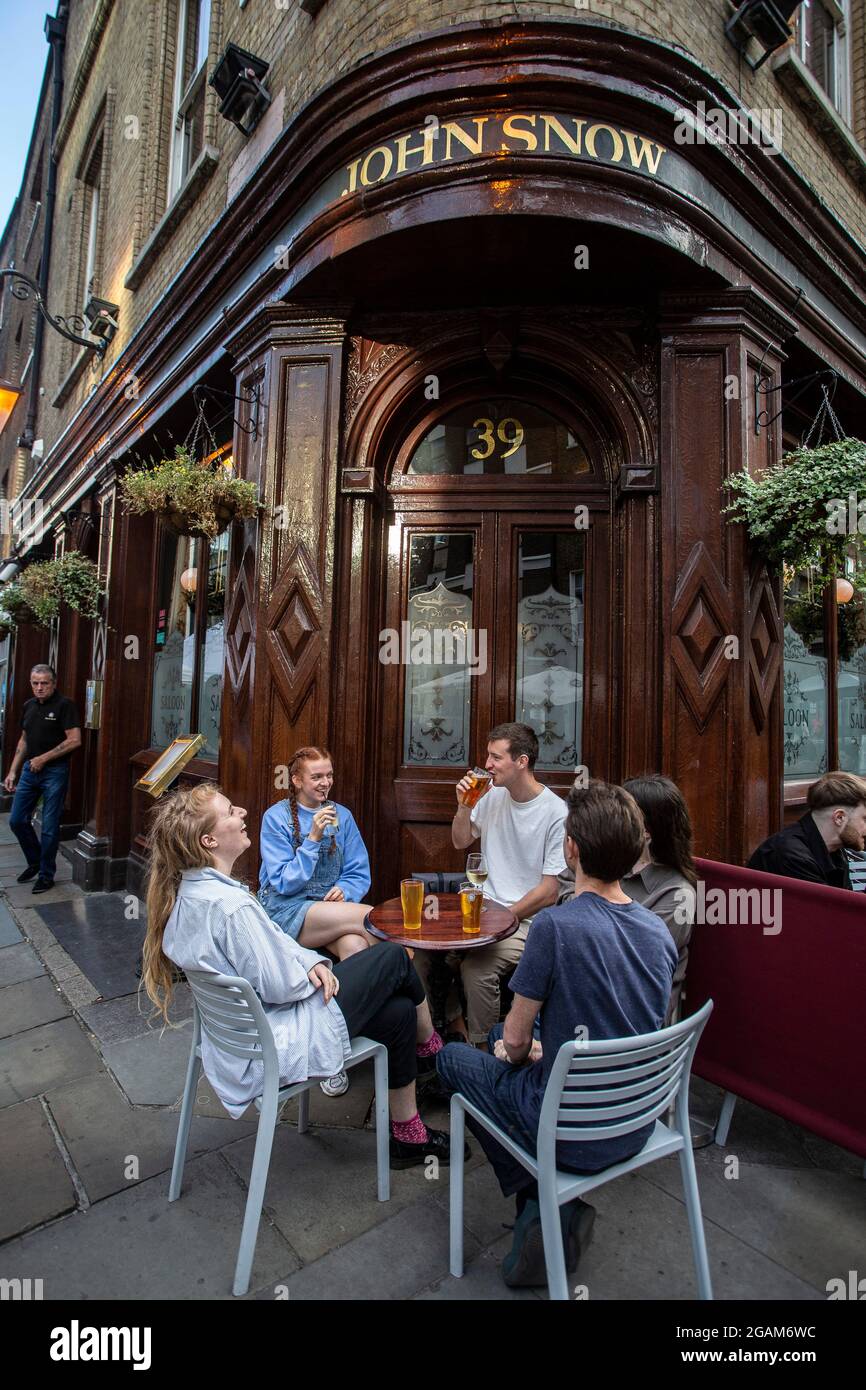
[[289, 912]]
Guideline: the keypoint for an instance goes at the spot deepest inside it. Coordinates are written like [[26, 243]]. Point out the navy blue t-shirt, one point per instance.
[[606, 966]]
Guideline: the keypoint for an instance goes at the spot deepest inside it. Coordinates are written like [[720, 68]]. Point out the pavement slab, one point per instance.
[[21, 894], [321, 1190], [810, 1222], [33, 1062], [9, 933], [94, 931], [103, 1132], [481, 1281], [394, 1260], [29, 1004], [34, 1183], [349, 1111], [151, 1068], [19, 963], [133, 1015], [138, 1245]]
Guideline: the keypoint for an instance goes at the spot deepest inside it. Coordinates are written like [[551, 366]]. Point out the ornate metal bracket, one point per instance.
[[23, 286], [251, 397]]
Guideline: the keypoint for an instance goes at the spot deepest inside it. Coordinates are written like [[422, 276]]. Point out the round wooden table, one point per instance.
[[439, 935]]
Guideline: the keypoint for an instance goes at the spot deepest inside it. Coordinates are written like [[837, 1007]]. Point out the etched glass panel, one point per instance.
[[852, 685], [550, 633], [439, 649], [174, 641], [211, 683], [805, 696]]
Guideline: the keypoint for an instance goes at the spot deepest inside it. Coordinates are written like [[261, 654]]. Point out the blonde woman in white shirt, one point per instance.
[[200, 918]]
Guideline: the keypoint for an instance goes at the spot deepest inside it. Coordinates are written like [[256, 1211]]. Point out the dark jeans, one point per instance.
[[379, 993], [491, 1085], [50, 784]]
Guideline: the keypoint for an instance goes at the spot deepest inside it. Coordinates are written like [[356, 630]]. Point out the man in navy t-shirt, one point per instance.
[[601, 964]]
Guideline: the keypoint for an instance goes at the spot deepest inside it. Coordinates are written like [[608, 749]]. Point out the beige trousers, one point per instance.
[[482, 971]]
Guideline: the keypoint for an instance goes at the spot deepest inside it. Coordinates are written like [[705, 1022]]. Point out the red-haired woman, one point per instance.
[[315, 868]]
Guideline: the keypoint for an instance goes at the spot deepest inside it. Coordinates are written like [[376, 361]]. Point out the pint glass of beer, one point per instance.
[[480, 783], [471, 899], [412, 900]]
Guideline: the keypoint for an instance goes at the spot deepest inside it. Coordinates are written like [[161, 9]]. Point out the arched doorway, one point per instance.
[[497, 598]]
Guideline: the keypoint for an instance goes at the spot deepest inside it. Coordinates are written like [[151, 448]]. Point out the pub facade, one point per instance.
[[489, 325]]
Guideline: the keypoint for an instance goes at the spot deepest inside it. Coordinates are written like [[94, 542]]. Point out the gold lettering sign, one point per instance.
[[533, 132]]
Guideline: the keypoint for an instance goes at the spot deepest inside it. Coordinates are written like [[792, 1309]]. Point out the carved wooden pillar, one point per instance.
[[279, 661], [721, 615]]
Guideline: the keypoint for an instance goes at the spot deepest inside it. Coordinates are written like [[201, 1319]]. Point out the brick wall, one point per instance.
[[129, 87]]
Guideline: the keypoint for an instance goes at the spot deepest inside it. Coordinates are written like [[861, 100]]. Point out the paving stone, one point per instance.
[[394, 1260], [9, 933], [812, 1223], [485, 1210], [96, 933], [102, 1132], [29, 1004], [641, 1250], [21, 894], [34, 1183], [826, 1155], [35, 930], [151, 1068], [138, 1245], [35, 1061], [349, 1111], [61, 966], [19, 963], [481, 1281], [77, 990], [115, 1020], [321, 1189]]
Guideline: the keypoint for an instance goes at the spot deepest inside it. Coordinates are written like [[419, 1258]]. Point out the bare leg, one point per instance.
[[425, 1023], [329, 924]]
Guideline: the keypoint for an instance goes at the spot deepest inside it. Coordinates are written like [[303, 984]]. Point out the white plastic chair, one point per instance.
[[231, 1014], [627, 1081]]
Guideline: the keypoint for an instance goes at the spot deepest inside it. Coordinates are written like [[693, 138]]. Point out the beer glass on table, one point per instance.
[[412, 901], [480, 782], [470, 909]]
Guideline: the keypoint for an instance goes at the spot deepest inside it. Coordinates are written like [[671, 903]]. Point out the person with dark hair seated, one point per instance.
[[814, 848], [600, 962], [664, 879]]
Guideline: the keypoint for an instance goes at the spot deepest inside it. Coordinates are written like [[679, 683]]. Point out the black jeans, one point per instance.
[[379, 993]]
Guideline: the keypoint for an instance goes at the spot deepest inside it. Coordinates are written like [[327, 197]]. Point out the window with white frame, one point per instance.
[[190, 74], [822, 41]]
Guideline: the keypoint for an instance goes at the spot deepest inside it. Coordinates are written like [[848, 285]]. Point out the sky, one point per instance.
[[23, 55]]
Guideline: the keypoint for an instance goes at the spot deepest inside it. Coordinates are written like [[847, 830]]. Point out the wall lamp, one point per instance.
[[237, 80], [10, 570], [100, 317], [764, 20]]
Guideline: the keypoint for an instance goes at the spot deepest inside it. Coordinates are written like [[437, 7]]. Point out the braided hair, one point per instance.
[[301, 756]]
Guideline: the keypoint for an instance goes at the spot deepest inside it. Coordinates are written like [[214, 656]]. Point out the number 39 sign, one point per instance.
[[508, 432]]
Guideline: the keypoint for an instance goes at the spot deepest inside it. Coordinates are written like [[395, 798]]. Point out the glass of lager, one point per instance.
[[412, 901], [480, 782], [470, 908]]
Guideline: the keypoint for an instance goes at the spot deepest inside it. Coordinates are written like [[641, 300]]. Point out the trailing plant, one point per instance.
[[192, 497], [38, 592], [806, 511]]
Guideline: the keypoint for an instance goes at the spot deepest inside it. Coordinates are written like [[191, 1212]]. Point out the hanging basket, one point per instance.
[[180, 524]]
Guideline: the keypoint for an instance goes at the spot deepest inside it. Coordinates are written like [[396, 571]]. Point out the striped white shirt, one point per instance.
[[857, 869], [216, 924]]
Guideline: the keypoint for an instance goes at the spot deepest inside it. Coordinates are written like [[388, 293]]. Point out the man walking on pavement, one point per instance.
[[52, 731]]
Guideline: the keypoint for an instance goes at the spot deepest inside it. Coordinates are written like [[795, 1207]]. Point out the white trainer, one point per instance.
[[336, 1085]]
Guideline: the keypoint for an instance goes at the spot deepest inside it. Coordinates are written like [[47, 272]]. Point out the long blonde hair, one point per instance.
[[175, 844]]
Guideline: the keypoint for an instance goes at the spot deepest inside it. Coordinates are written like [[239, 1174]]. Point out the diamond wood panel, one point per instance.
[[701, 620], [765, 647], [239, 630], [293, 630]]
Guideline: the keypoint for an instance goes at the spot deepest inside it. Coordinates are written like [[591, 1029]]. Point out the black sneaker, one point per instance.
[[438, 1145], [524, 1266], [30, 872], [43, 885]]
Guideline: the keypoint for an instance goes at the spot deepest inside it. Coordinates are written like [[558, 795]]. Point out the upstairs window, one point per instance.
[[193, 33], [90, 240], [822, 45]]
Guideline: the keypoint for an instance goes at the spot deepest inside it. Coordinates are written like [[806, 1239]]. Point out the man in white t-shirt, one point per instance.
[[522, 827]]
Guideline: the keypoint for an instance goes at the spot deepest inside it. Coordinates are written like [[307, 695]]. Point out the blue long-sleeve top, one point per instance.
[[289, 870]]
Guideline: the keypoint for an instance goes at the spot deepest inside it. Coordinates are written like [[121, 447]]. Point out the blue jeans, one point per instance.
[[50, 784]]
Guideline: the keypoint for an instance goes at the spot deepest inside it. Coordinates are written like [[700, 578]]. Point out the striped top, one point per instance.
[[216, 924]]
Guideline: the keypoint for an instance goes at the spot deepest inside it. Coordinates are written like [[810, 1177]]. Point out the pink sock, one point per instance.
[[412, 1131], [433, 1045]]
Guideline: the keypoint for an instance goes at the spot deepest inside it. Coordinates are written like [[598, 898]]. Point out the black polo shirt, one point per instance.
[[798, 851], [45, 725]]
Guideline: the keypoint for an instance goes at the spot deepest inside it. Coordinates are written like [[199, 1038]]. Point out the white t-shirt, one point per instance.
[[521, 841]]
